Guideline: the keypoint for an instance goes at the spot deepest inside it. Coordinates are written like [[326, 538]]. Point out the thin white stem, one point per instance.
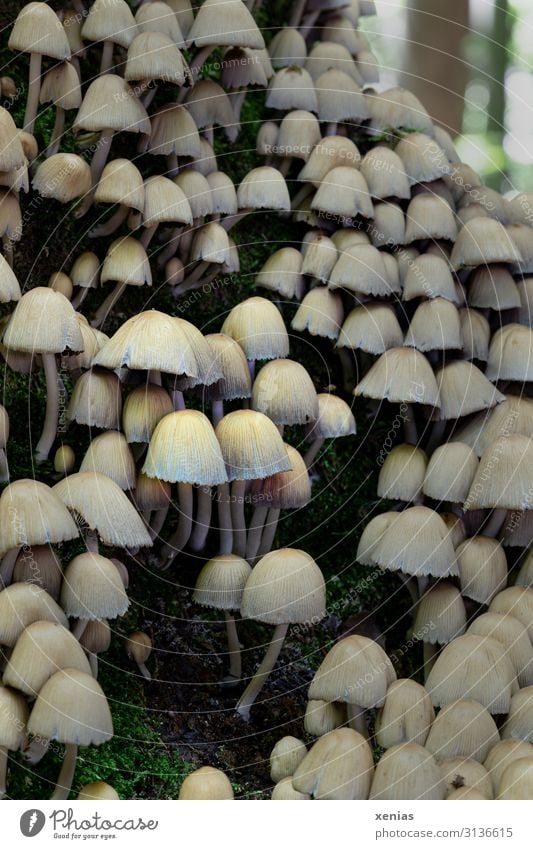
[[48, 435], [57, 132], [357, 719], [66, 776], [34, 89], [258, 681], [105, 308], [269, 533], [112, 224], [494, 524], [106, 61], [180, 537], [255, 531], [238, 491], [202, 522], [311, 453], [224, 519], [234, 648]]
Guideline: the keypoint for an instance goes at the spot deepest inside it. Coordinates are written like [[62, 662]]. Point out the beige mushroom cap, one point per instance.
[[43, 322], [338, 766], [97, 790], [110, 454], [13, 718], [407, 771], [225, 23], [462, 728], [20, 605], [402, 473], [400, 375], [93, 589], [251, 445], [37, 29], [503, 477], [416, 542], [96, 400], [285, 587], [184, 449], [257, 325], [510, 632], [110, 104], [221, 582], [32, 514], [356, 670], [519, 722], [482, 568], [464, 776], [450, 472], [206, 783], [284, 391], [144, 408], [406, 715], [110, 20], [285, 757]]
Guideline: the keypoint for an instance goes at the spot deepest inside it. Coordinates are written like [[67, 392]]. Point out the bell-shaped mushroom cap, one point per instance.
[[32, 514], [464, 776], [12, 156], [287, 490], [429, 276], [13, 718], [334, 418], [513, 415], [450, 472], [429, 216], [96, 637], [221, 582], [210, 244], [319, 256], [321, 716], [371, 536], [388, 228], [257, 325], [440, 615], [282, 273], [472, 667], [401, 375], [37, 29], [284, 791], [519, 722], [285, 757], [361, 268], [320, 313], [109, 453], [511, 354], [206, 783], [417, 542], [197, 191], [165, 201], [242, 67], [40, 565], [343, 192], [287, 48], [292, 88], [482, 568], [229, 358], [72, 708], [402, 474], [298, 134], [518, 601], [160, 17], [340, 98], [516, 782], [150, 493], [96, 400], [155, 56], [22, 604], [97, 790], [121, 182], [373, 328], [93, 589], [482, 241], [510, 632], [475, 332], [110, 20], [43, 649], [9, 285], [343, 674], [524, 578], [173, 131], [221, 23], [518, 528], [43, 321], [209, 105], [126, 261], [406, 715], [85, 271], [435, 326], [284, 391], [110, 104], [144, 407], [456, 528], [338, 766], [251, 445], [102, 505], [326, 55], [504, 753], [463, 728], [223, 193], [503, 478], [61, 86], [384, 173], [407, 771], [184, 449], [493, 287], [264, 188], [285, 587], [423, 159], [332, 152], [464, 389]]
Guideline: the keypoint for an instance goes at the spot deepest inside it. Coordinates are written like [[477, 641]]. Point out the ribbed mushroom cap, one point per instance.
[[96, 400], [524, 578], [121, 182], [481, 241], [13, 718], [224, 22], [43, 649], [155, 56], [465, 776], [93, 589], [371, 536], [429, 276], [435, 325], [334, 418], [406, 715], [22, 604], [450, 472], [384, 173], [209, 105], [516, 782], [402, 474], [102, 505], [223, 193], [456, 528], [440, 615], [463, 728], [211, 244], [340, 98], [12, 154], [429, 216], [343, 191], [519, 722], [320, 313], [464, 389], [407, 771], [284, 391], [243, 68], [510, 632], [184, 449], [475, 333], [319, 256], [511, 354], [518, 528], [110, 20], [126, 261], [165, 202], [284, 791], [423, 159], [285, 757], [110, 454], [206, 783], [503, 475], [321, 717], [287, 48], [173, 131], [221, 582], [503, 754], [332, 152], [257, 325], [292, 88], [285, 587], [43, 322], [72, 708], [151, 493], [32, 514], [298, 134], [39, 565], [401, 375], [251, 445], [361, 269], [343, 674], [514, 415], [96, 637], [472, 667], [388, 228], [287, 490], [396, 107], [144, 407], [85, 271], [492, 287], [159, 17], [325, 55], [231, 362], [518, 601], [417, 542], [110, 104], [482, 568], [338, 766], [61, 86], [282, 273], [9, 285], [197, 191], [37, 29], [373, 328], [263, 188]]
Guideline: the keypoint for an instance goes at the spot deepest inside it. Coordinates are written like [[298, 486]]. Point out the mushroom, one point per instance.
[[281, 273], [138, 648], [110, 454], [206, 783], [235, 383], [322, 717], [519, 722], [61, 86], [402, 474], [96, 400], [39, 564], [463, 728], [407, 771], [112, 23], [174, 134], [440, 617], [465, 775], [209, 105], [517, 781], [406, 715], [97, 791], [95, 640], [320, 313], [121, 182], [510, 632], [283, 390], [285, 757], [482, 568], [338, 766], [284, 791], [22, 604], [126, 263], [257, 325], [221, 23], [13, 718], [372, 328], [85, 274], [92, 589]]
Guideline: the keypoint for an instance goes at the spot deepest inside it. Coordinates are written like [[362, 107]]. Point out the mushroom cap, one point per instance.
[[516, 782], [285, 757], [264, 188], [110, 104], [32, 514], [39, 565], [292, 88], [97, 790], [407, 771], [510, 632], [464, 389], [518, 528], [400, 375], [223, 193], [110, 20], [483, 240], [96, 636], [450, 472], [43, 322], [211, 244], [356, 670], [206, 783], [198, 192], [61, 86], [229, 358], [321, 716], [334, 418], [465, 776], [440, 615], [518, 601], [472, 667], [329, 153], [110, 454], [435, 326], [72, 708], [482, 568], [209, 104], [384, 173], [151, 493], [388, 229], [174, 131], [287, 48], [371, 536], [416, 542], [511, 354], [225, 23], [161, 17], [126, 261], [514, 415], [282, 273], [121, 182], [155, 56], [429, 276], [221, 582], [85, 271], [144, 408], [320, 313], [319, 255], [343, 192], [504, 753], [13, 718], [325, 55], [340, 98], [286, 490], [362, 269], [284, 391], [104, 508], [429, 216], [402, 473], [93, 589], [9, 285], [399, 108], [423, 159], [37, 29], [284, 790], [138, 646], [22, 604], [251, 445], [12, 155], [184, 449], [338, 766], [493, 287], [475, 332], [298, 134], [503, 475], [165, 202], [285, 587], [257, 325], [96, 400], [42, 649], [406, 715], [462, 728], [372, 327], [519, 722]]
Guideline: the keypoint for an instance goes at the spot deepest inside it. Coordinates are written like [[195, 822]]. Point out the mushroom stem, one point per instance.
[[495, 522], [231, 220], [66, 776], [238, 492], [80, 296], [422, 582], [108, 304], [173, 166], [97, 166], [106, 60], [34, 89], [269, 532], [171, 246], [112, 224], [158, 521], [238, 100], [435, 437], [178, 400], [297, 13], [409, 426], [431, 651], [91, 541], [48, 434], [234, 648], [331, 129], [224, 519], [143, 669], [79, 627], [147, 235], [8, 564], [3, 771], [180, 537], [357, 719], [217, 411], [4, 467], [202, 523], [255, 531], [312, 451], [265, 668], [57, 132], [347, 367], [195, 274], [411, 587]]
